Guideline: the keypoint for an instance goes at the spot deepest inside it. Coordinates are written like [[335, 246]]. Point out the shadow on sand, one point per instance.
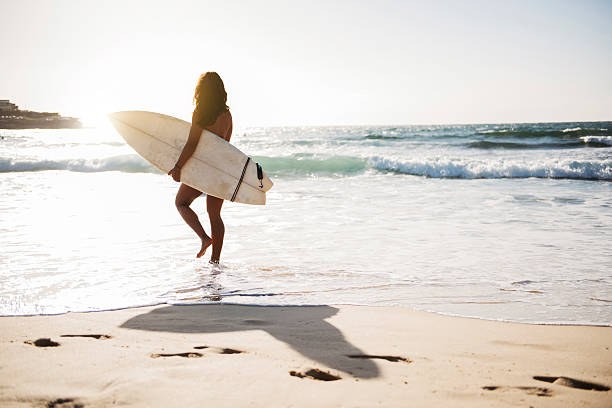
[[303, 328]]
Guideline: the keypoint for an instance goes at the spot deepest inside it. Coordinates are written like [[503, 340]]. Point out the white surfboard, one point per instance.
[[215, 168]]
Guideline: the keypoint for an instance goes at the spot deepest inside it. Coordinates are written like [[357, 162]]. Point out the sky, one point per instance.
[[314, 62]]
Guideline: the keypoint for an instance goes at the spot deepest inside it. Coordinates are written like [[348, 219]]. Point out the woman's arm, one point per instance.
[[192, 142]]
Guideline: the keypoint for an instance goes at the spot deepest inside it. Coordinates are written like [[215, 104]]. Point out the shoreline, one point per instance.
[[408, 308], [231, 355]]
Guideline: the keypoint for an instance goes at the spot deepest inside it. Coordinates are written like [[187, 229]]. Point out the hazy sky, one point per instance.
[[314, 62]]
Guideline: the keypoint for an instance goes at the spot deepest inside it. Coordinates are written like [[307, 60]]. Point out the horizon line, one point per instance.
[[408, 124]]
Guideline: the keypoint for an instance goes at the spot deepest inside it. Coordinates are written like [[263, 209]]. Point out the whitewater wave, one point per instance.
[[494, 169], [436, 167], [602, 140], [129, 163], [301, 165]]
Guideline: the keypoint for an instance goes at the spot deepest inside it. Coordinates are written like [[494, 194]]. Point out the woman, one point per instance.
[[210, 113]]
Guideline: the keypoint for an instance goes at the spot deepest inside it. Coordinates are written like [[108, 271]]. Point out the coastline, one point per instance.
[[342, 305], [231, 355], [40, 123]]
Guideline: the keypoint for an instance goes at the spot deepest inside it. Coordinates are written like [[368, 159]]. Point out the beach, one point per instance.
[[324, 296], [326, 356]]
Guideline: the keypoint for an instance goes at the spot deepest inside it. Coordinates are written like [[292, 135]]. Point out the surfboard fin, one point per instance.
[[259, 175]]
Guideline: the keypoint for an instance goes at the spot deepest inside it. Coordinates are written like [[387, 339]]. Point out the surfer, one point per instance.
[[211, 113]]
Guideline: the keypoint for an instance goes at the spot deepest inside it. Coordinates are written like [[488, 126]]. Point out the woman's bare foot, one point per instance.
[[205, 244]]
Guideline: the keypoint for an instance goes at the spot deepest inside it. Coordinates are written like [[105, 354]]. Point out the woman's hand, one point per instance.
[[175, 173]]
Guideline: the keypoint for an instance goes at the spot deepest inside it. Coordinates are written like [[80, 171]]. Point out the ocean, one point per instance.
[[508, 222]]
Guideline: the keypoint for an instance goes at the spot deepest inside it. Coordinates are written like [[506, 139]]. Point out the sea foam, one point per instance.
[[129, 163], [462, 168], [433, 167]]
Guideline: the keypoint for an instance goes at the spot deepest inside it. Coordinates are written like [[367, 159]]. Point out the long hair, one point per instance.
[[210, 99]]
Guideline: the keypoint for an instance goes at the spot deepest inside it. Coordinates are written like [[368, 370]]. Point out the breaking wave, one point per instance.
[[440, 167], [602, 140], [129, 163], [310, 165], [494, 169]]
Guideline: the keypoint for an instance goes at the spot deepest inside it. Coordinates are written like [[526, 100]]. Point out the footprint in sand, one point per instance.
[[64, 403], [539, 391], [221, 350], [393, 359], [573, 383], [230, 351], [196, 354], [315, 374], [186, 355], [47, 342], [93, 336], [44, 342]]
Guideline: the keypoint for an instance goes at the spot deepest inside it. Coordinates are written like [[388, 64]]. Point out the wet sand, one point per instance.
[[324, 356]]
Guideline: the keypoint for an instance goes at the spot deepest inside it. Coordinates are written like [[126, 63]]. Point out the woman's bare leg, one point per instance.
[[184, 198], [213, 206]]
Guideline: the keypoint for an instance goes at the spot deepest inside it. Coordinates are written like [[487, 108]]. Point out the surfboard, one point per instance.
[[216, 167]]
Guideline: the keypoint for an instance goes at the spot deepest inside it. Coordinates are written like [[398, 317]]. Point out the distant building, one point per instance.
[[6, 105], [11, 117]]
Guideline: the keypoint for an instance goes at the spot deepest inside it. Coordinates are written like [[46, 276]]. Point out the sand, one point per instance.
[[323, 356]]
